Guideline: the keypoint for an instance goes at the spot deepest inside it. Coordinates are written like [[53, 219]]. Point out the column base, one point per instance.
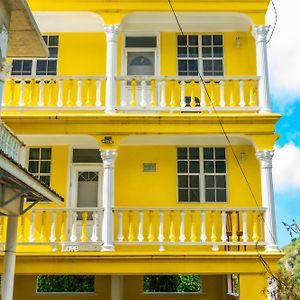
[[107, 248], [265, 110], [110, 110], [272, 248]]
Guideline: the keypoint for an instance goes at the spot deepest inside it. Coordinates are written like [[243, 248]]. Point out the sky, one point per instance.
[[284, 70]]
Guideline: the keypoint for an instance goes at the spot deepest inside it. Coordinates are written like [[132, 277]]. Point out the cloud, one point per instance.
[[286, 168], [283, 52]]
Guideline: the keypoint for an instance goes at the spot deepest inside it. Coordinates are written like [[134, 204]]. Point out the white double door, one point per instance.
[[86, 196]]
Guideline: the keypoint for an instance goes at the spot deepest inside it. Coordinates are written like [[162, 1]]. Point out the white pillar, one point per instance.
[[116, 287], [265, 158], [260, 34], [111, 66], [4, 66], [108, 158], [7, 285]]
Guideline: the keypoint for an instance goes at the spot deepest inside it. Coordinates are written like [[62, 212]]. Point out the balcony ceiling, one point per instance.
[[24, 38]]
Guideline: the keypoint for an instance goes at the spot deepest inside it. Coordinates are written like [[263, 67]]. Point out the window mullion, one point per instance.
[[200, 55], [202, 178]]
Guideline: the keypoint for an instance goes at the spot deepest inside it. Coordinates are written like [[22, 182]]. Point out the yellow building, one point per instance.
[[177, 102]]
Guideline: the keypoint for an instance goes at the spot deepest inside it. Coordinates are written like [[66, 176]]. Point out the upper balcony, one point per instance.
[[129, 68]]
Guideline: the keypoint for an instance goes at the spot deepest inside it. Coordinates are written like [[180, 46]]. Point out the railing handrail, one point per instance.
[[226, 209], [4, 127], [56, 77], [186, 78], [77, 209]]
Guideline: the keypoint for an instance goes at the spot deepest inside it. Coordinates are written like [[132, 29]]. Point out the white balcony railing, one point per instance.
[[79, 229], [134, 93], [10, 144]]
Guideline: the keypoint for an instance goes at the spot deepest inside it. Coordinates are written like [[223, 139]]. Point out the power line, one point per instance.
[[275, 23]]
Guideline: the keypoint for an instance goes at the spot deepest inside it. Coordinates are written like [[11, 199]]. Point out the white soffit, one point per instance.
[[190, 22], [56, 21]]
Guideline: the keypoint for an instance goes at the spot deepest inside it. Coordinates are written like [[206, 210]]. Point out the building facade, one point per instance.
[[155, 126]]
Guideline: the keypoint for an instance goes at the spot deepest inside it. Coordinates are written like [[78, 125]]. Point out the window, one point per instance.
[[200, 54], [39, 163], [46, 66], [201, 174]]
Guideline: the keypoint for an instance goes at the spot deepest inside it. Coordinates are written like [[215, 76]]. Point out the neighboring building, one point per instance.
[[167, 193]]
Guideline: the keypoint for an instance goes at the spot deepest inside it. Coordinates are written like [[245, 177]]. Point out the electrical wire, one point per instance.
[[275, 22], [261, 259]]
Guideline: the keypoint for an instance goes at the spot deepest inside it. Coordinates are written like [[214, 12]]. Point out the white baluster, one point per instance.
[[182, 233], [245, 229], [242, 94], [31, 237], [53, 228], [123, 96], [140, 233], [94, 236], [98, 93], [161, 235], [203, 227], [224, 236], [22, 92], [182, 94], [120, 226], [79, 92], [231, 97], [222, 94], [163, 94], [143, 94], [41, 94], [202, 101], [73, 237], [60, 93]]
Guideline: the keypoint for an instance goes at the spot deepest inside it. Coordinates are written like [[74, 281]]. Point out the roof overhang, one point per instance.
[[17, 185], [24, 37]]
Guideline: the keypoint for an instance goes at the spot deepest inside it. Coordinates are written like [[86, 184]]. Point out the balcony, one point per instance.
[[80, 229], [10, 144], [145, 94]]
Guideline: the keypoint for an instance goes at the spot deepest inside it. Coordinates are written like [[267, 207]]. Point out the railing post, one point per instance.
[[108, 157], [265, 158], [260, 34], [111, 66]]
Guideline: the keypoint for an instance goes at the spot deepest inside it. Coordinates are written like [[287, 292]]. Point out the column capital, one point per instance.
[[260, 32], [265, 157], [112, 31], [5, 66], [108, 157]]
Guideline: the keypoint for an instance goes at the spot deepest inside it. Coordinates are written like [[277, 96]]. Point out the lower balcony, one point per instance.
[[140, 228], [145, 94]]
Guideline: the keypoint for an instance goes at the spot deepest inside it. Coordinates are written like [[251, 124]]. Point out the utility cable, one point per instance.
[[275, 23]]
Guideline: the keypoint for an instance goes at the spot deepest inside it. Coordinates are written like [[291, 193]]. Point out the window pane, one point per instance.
[[182, 153], [193, 40], [194, 195], [220, 153], [53, 40], [181, 40], [194, 153], [182, 167], [141, 41], [86, 156], [221, 181], [206, 52], [209, 181], [193, 52], [183, 195], [208, 153], [220, 167], [17, 65], [206, 40], [53, 52], [210, 195], [218, 65], [182, 65], [33, 167], [218, 51], [209, 167], [41, 67], [194, 181], [45, 179], [52, 65], [45, 167], [193, 66], [221, 195], [34, 153], [194, 167], [182, 52], [27, 65], [183, 181], [46, 153], [218, 39], [207, 65]]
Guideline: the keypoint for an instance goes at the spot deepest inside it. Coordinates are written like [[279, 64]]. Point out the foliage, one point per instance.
[[65, 284], [172, 284]]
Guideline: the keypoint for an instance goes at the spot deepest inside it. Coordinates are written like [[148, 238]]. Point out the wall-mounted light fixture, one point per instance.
[[107, 140], [243, 155], [238, 41]]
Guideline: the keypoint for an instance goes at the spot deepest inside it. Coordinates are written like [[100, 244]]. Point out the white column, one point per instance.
[[4, 66], [116, 287], [265, 158], [111, 66], [108, 157], [260, 34], [7, 285]]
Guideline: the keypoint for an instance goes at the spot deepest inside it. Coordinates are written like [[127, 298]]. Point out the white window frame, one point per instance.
[[202, 174], [200, 57], [35, 60]]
